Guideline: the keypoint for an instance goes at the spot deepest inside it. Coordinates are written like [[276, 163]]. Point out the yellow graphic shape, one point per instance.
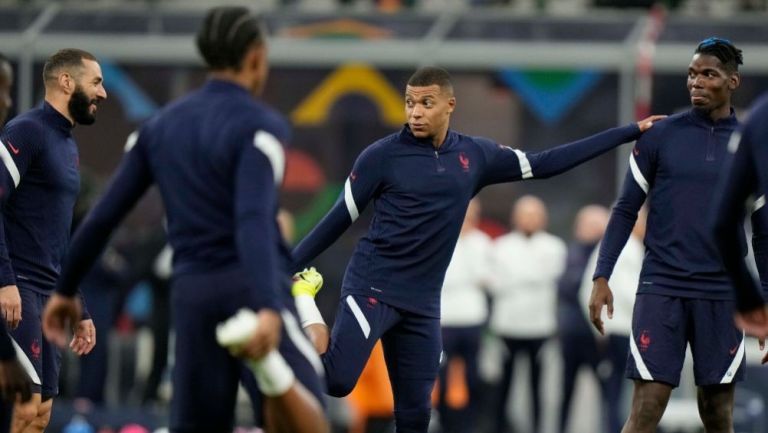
[[354, 78]]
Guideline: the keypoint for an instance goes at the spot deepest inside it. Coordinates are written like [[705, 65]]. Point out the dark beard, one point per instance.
[[79, 105]]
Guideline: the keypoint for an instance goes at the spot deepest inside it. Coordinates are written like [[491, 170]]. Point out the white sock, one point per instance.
[[273, 374], [308, 312]]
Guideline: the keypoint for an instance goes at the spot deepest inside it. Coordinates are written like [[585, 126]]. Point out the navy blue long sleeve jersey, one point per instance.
[[745, 172], [676, 165], [39, 187], [217, 158], [420, 195]]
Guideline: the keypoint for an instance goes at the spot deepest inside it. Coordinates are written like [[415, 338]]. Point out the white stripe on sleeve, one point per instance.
[[759, 203], [10, 165], [525, 165], [270, 146], [131, 141], [733, 143], [638, 175], [349, 200]]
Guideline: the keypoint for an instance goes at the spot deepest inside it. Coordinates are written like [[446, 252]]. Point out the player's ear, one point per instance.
[[451, 104], [66, 82], [734, 80], [254, 57]]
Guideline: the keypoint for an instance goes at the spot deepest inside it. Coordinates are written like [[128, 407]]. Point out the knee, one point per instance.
[[412, 420], [41, 418], [25, 413], [716, 416], [648, 410]]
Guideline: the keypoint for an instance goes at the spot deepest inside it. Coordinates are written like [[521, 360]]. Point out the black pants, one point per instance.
[[462, 343], [531, 349]]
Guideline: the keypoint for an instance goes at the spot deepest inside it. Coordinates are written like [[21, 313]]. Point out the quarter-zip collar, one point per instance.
[[406, 136], [700, 118]]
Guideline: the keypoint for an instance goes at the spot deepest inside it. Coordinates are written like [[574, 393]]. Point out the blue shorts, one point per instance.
[[40, 358], [662, 326], [205, 375], [412, 346]]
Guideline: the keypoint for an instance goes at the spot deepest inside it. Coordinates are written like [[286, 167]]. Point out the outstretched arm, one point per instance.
[[360, 187], [509, 164], [128, 185]]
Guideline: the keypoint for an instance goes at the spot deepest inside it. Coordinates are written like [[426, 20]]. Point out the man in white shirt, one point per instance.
[[526, 265]]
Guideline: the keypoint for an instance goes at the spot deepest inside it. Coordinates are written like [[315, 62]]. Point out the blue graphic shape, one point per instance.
[[550, 103], [137, 105]]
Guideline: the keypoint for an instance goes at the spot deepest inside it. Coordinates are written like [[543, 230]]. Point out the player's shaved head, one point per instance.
[[226, 35], [431, 75], [529, 215], [590, 223], [69, 60]]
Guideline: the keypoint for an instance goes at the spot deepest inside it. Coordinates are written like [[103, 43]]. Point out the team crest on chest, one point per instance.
[[464, 161]]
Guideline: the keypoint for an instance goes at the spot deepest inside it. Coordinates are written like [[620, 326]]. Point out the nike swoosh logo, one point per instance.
[[733, 351], [13, 149]]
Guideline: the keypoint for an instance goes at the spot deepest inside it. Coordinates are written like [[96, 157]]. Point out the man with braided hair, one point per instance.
[[684, 295], [217, 157]]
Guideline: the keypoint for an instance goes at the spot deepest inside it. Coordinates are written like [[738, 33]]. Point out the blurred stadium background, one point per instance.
[[527, 73]]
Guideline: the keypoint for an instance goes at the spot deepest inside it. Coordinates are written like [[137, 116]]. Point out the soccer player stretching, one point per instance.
[[217, 158], [420, 180], [684, 295]]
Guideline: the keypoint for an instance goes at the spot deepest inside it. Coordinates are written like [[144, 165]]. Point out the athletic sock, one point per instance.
[[308, 312]]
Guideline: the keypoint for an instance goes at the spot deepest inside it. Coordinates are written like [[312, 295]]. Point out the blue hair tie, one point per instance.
[[713, 41]]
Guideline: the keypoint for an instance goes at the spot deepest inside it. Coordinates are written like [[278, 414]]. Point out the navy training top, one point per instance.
[[420, 195], [39, 187], [217, 156], [676, 165]]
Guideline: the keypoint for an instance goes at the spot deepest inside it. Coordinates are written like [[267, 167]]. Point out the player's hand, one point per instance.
[[83, 337], [648, 122], [754, 322], [266, 337], [601, 295], [60, 315], [15, 385], [10, 304]]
